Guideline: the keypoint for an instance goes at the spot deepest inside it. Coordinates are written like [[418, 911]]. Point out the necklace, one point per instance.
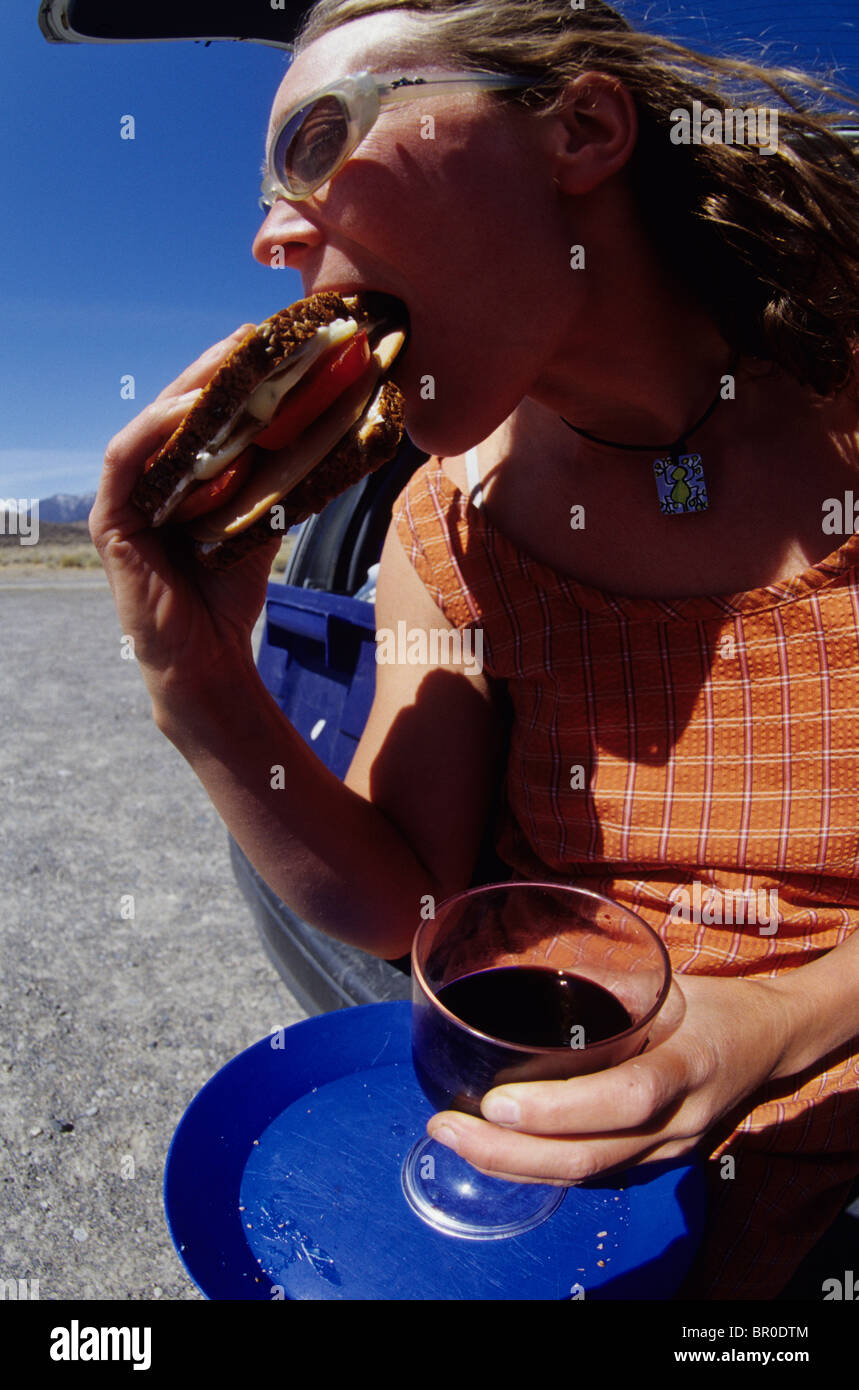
[[680, 482]]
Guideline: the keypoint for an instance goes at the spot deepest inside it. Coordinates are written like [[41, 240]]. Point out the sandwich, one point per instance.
[[298, 411]]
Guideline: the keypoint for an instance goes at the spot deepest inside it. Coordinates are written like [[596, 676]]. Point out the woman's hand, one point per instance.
[[715, 1042], [190, 625]]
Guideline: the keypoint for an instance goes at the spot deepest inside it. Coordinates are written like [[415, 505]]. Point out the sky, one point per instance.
[[120, 256], [131, 256]]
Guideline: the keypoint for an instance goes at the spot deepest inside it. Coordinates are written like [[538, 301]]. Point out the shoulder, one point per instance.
[[428, 494]]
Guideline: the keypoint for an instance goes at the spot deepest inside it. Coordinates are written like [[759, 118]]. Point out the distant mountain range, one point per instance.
[[64, 506]]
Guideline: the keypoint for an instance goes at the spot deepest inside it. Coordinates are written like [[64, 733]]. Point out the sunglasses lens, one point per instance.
[[311, 144]]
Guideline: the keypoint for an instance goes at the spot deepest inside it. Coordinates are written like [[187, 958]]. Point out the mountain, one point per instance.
[[65, 506]]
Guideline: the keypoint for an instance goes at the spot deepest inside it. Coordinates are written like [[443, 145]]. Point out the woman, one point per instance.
[[585, 291]]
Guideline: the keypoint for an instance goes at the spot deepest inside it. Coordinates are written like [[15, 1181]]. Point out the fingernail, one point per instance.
[[445, 1135], [501, 1110]]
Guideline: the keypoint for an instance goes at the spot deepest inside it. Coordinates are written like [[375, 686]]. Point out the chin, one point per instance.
[[448, 433]]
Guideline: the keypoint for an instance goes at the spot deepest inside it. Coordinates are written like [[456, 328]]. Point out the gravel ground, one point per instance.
[[109, 1024]]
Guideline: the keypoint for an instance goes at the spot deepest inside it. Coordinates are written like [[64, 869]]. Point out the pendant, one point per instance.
[[680, 483]]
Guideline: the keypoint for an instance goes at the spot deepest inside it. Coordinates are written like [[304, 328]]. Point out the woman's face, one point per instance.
[[454, 215]]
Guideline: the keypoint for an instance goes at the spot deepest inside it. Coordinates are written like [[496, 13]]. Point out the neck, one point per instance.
[[647, 363]]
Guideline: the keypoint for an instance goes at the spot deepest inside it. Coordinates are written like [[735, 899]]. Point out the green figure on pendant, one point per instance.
[[680, 483], [681, 492]]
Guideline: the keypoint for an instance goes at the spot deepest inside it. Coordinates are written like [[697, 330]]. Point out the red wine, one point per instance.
[[528, 1005], [535, 1007]]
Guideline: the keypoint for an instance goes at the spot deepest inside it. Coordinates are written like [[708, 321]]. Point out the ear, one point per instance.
[[592, 134]]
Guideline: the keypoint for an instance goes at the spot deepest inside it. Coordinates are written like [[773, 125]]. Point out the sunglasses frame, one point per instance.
[[362, 97]]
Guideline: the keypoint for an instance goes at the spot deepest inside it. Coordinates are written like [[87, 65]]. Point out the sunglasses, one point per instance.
[[316, 137]]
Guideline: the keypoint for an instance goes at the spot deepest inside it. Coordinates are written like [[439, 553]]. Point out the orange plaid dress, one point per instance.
[[660, 744]]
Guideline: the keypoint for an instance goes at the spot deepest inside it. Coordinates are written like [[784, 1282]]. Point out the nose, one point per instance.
[[285, 235]]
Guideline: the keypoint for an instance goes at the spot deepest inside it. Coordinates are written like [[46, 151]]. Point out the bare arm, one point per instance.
[[354, 859], [428, 754]]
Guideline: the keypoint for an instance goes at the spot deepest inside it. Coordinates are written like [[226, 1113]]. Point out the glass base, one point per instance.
[[452, 1197]]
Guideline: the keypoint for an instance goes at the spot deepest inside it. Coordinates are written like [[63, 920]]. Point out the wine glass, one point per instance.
[[519, 982]]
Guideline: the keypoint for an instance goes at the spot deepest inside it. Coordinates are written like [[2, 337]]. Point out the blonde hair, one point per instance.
[[768, 242]]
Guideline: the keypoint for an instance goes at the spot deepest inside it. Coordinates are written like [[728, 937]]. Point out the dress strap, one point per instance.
[[472, 470]]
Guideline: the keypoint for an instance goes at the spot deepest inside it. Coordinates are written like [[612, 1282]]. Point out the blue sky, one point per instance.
[[119, 256], [132, 256]]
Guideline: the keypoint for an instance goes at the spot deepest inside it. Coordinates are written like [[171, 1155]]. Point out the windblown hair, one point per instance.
[[768, 242]]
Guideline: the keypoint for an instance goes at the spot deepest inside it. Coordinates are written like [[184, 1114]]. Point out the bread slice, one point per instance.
[[360, 431], [372, 441]]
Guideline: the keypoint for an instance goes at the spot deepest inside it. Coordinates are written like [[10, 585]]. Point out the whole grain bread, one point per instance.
[[371, 442], [262, 352]]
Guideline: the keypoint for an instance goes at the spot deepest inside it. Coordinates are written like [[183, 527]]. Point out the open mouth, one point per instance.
[[385, 309]]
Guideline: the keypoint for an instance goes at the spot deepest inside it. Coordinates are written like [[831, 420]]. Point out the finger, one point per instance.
[[129, 450], [564, 1161], [125, 457], [627, 1096], [202, 371], [654, 1153]]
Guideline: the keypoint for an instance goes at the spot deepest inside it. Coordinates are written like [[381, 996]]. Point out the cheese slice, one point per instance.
[[273, 479], [264, 401], [260, 407]]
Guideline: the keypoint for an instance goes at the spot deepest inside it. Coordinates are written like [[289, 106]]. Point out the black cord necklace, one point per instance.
[[680, 482]]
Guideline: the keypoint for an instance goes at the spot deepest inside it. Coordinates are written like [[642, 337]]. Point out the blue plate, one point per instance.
[[283, 1181]]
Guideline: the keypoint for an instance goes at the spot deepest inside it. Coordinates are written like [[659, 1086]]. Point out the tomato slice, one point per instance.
[[214, 492], [317, 390]]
